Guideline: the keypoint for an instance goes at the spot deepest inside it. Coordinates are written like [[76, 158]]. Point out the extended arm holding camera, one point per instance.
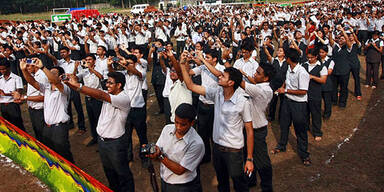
[[95, 93]]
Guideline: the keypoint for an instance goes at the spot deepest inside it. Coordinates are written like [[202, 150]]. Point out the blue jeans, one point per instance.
[[113, 154]]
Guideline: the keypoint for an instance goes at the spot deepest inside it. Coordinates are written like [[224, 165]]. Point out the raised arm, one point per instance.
[[95, 93], [188, 81], [28, 77]]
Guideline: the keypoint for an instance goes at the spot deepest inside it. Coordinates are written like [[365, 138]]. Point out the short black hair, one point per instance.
[[313, 52], [131, 57], [90, 55], [247, 45], [60, 69], [118, 77], [64, 48], [186, 111], [234, 75], [269, 70], [325, 48], [141, 50], [213, 53], [5, 62], [293, 54], [103, 47]]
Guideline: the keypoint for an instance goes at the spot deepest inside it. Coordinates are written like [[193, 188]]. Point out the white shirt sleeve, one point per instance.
[[197, 70], [121, 101], [331, 65], [193, 156], [303, 80], [210, 93], [246, 114], [19, 83], [324, 71]]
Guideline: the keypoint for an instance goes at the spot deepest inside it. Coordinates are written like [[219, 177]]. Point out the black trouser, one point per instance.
[[273, 104], [12, 113], [56, 138], [363, 35], [356, 76], [145, 95], [205, 115], [113, 154], [37, 120], [382, 66], [229, 163], [372, 73], [296, 113], [314, 107], [159, 95], [342, 81], [93, 107], [192, 186], [167, 111], [136, 118], [179, 48], [327, 98], [75, 98], [261, 160]]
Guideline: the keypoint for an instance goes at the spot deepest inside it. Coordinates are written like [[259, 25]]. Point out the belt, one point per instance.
[[107, 139], [226, 149], [288, 99], [55, 125]]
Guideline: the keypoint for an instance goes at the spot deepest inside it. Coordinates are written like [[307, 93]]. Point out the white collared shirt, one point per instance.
[[230, 116], [101, 66], [140, 38], [297, 79], [182, 33], [187, 151], [90, 79], [323, 71], [67, 66], [260, 96], [10, 85], [207, 79], [178, 94], [133, 87], [144, 65], [31, 91], [55, 104], [113, 116]]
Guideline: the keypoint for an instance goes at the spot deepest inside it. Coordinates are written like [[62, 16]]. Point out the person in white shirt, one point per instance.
[[91, 78], [318, 75], [294, 108], [111, 129], [180, 35], [180, 151], [205, 108], [35, 101], [260, 95], [10, 83], [134, 75], [56, 100], [232, 115], [69, 67]]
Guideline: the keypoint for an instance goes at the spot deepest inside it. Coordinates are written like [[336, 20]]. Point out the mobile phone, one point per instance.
[[64, 77], [115, 59], [29, 61], [153, 45]]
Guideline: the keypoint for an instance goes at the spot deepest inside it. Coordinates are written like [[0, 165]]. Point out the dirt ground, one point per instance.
[[349, 158]]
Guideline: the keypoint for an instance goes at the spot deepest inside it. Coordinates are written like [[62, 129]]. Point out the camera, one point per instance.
[[115, 59], [29, 61], [148, 149], [64, 77], [160, 49]]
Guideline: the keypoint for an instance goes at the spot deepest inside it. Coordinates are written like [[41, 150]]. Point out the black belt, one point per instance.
[[226, 149], [107, 139], [288, 99], [55, 125]]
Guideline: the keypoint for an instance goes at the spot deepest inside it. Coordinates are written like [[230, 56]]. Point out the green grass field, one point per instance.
[[47, 15]]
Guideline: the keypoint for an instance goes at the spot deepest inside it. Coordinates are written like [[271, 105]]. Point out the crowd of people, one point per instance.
[[218, 73]]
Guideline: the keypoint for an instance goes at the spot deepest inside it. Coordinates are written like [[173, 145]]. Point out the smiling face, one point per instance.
[[113, 87]]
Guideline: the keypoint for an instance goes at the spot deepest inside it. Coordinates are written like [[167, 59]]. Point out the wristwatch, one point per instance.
[[25, 97], [250, 159], [79, 89], [162, 156]]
